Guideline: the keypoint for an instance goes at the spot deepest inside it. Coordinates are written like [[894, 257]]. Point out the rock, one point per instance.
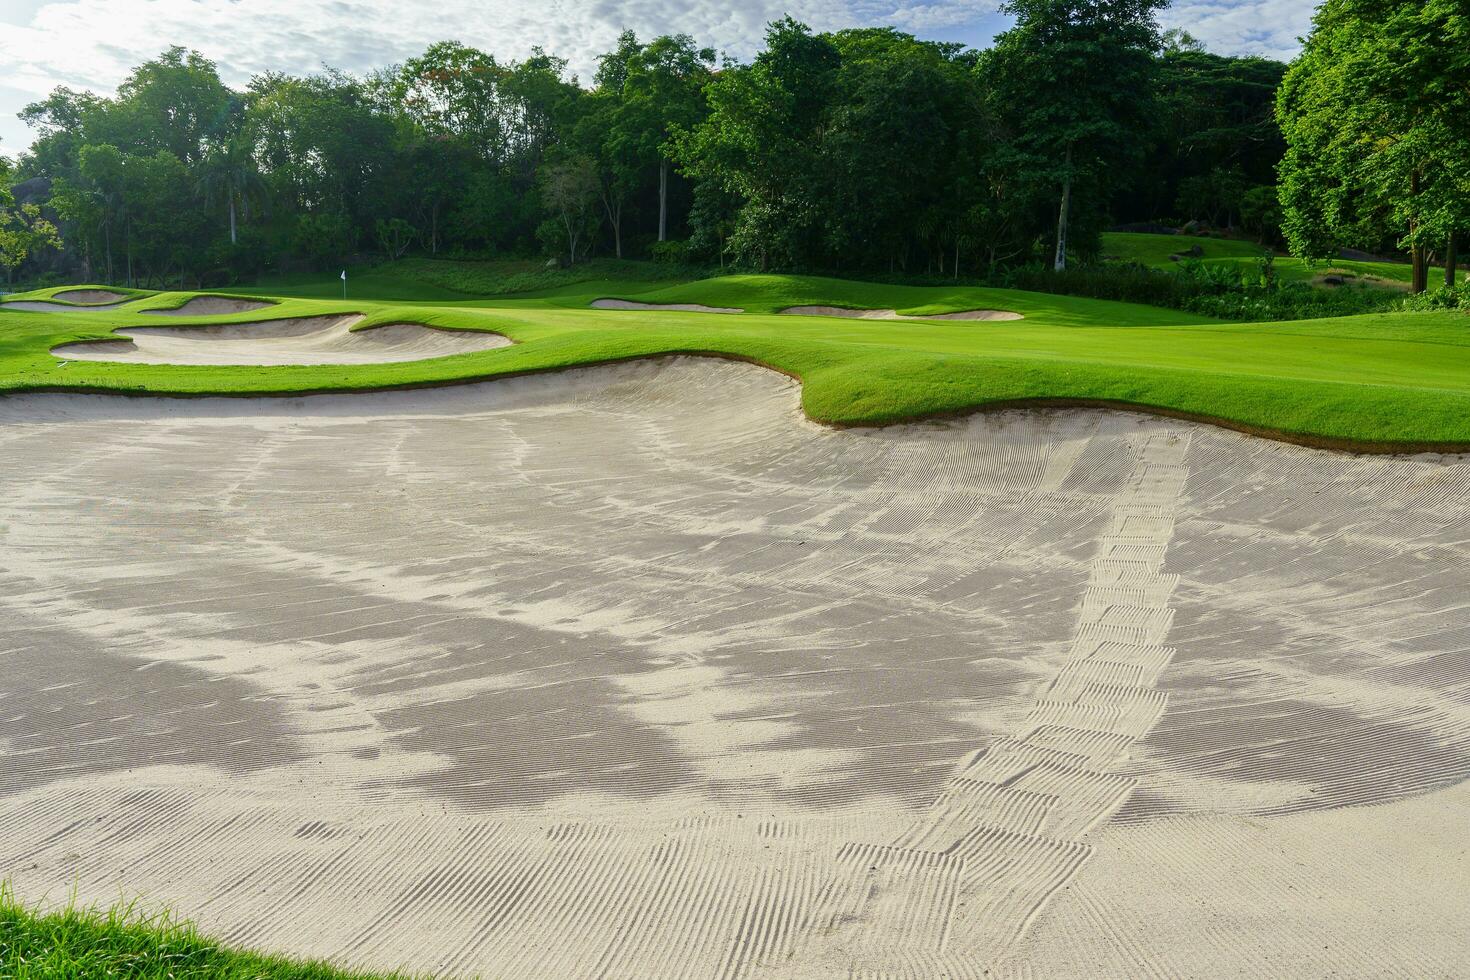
[[1333, 280], [1195, 252]]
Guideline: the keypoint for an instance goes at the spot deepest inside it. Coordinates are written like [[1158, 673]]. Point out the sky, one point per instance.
[[91, 44]]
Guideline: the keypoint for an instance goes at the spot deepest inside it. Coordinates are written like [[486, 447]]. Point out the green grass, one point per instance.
[[76, 943], [1154, 251], [1396, 381], [442, 280]]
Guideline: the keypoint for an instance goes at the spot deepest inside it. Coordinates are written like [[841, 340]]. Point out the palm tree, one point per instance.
[[230, 172]]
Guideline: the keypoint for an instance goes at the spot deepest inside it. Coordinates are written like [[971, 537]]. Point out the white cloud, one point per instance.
[[91, 44], [1244, 27]]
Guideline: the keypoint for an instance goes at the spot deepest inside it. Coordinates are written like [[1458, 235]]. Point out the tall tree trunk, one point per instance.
[[615, 218], [1417, 252], [957, 257], [233, 240], [1061, 260], [663, 199], [107, 238], [1451, 261], [1421, 269]]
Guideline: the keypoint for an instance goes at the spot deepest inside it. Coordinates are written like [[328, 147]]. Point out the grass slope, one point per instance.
[[425, 280], [89, 944], [1154, 251], [1388, 382]]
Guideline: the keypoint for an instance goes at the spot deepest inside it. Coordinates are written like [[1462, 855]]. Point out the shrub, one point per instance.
[[1229, 292], [670, 252], [1443, 298]]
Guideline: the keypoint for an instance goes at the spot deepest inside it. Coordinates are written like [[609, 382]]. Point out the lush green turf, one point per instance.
[[122, 942], [1390, 381], [425, 280], [1154, 251]]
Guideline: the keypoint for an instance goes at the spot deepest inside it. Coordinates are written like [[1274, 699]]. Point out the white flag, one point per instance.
[[344, 275]]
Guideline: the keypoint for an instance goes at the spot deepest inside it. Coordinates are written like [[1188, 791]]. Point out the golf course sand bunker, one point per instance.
[[302, 340], [90, 297], [627, 304], [634, 672], [851, 314], [213, 306], [47, 306]]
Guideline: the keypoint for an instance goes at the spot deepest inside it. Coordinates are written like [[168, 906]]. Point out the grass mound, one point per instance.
[[123, 941], [1393, 382], [447, 280]]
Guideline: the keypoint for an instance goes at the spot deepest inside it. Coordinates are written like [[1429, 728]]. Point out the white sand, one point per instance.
[[301, 340], [213, 306], [634, 672], [627, 304], [90, 296], [46, 306], [850, 314]]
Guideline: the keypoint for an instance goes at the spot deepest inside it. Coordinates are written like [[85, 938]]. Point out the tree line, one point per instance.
[[855, 151]]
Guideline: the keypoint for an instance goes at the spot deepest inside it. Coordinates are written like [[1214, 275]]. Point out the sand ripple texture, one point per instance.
[[633, 672]]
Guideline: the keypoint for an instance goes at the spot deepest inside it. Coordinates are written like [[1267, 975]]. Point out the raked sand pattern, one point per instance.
[[292, 340], [632, 672]]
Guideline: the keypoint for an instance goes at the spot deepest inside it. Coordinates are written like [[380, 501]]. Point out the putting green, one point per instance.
[[1386, 382]]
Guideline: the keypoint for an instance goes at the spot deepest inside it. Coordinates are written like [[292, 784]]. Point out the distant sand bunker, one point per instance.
[[213, 306], [302, 340], [90, 297], [47, 306], [627, 304], [895, 315]]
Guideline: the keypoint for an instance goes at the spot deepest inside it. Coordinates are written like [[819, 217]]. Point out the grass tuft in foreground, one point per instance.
[[125, 943]]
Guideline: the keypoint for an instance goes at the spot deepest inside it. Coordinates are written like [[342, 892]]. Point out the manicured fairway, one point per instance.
[[1390, 381]]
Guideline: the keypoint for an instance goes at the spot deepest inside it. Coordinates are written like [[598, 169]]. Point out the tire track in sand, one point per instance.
[[1007, 830]]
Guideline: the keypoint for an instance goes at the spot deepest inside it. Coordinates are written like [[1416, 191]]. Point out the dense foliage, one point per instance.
[[865, 152], [859, 151], [1376, 114]]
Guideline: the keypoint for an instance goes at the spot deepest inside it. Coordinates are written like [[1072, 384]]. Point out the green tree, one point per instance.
[[758, 143], [229, 172], [1077, 80], [569, 190], [176, 102], [97, 199], [459, 92], [663, 93], [1376, 116], [23, 233]]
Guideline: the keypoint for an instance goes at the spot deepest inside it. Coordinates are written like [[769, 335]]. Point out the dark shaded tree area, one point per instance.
[[862, 151]]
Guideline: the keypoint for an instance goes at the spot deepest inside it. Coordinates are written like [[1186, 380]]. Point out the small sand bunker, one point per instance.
[[69, 306], [213, 306], [627, 304], [89, 297], [895, 315], [302, 340]]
